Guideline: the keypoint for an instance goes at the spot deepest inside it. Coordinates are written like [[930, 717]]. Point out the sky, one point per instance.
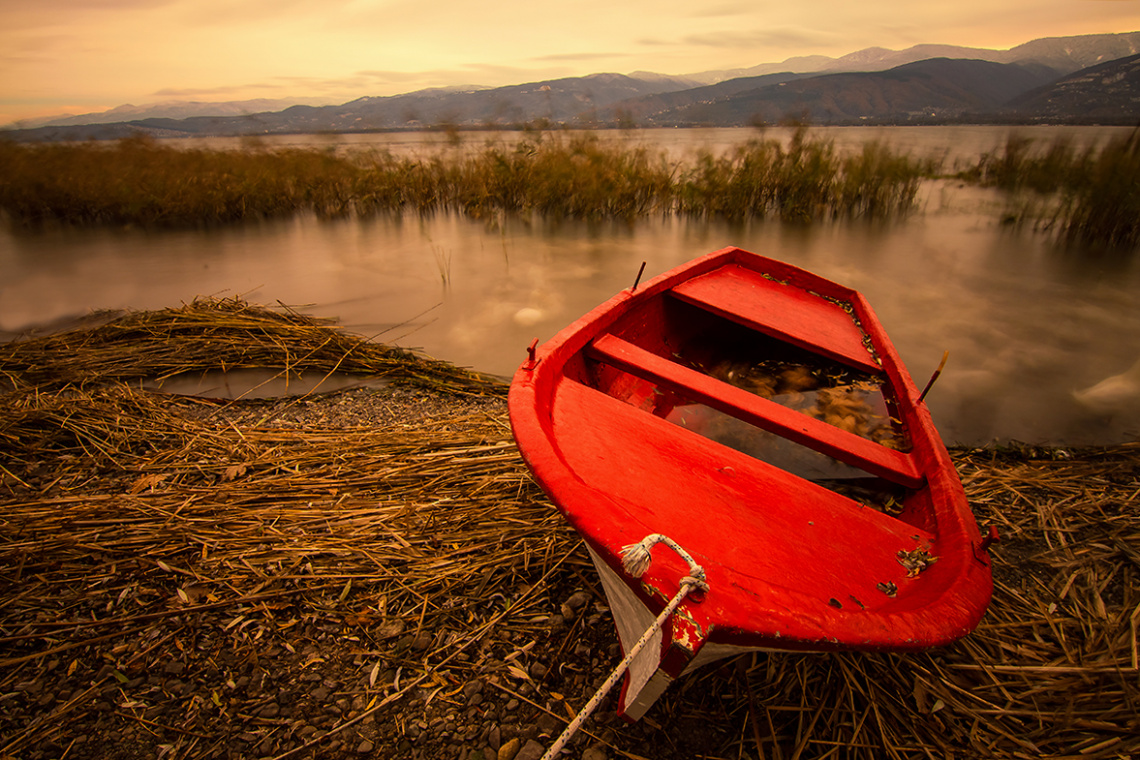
[[85, 56]]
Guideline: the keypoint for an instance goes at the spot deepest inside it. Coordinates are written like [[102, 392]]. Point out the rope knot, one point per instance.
[[636, 558], [696, 580]]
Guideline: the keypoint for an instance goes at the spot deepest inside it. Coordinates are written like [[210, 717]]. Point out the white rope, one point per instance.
[[636, 559]]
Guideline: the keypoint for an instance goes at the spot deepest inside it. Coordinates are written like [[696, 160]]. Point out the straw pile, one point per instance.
[[218, 334], [373, 573]]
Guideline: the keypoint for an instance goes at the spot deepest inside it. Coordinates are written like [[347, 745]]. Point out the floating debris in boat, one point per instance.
[[840, 397], [915, 561]]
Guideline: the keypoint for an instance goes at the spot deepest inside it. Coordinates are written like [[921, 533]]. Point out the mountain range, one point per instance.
[[1083, 79]]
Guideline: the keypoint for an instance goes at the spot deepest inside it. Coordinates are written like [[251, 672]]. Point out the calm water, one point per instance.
[[1026, 324]]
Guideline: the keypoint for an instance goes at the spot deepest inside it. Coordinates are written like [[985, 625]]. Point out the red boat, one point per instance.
[[758, 416]]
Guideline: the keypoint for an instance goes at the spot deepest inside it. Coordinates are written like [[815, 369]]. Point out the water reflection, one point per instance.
[[258, 384], [1026, 324]]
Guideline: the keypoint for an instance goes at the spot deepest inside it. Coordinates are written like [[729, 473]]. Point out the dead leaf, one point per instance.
[[147, 481], [390, 628], [233, 471]]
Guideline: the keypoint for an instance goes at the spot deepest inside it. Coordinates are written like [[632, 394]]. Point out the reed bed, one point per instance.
[[193, 579], [802, 182], [140, 182], [1086, 194]]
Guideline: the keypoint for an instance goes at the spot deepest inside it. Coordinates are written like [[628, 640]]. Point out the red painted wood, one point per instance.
[[779, 309], [790, 563]]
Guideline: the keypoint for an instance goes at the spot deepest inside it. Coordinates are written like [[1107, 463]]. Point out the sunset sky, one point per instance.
[[83, 56]]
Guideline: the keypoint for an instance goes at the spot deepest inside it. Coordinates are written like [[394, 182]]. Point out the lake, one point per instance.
[[1026, 322]]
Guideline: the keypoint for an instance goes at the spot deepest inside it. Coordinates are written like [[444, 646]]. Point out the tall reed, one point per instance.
[[1019, 166], [1105, 206], [139, 181], [878, 182], [804, 181], [1087, 194]]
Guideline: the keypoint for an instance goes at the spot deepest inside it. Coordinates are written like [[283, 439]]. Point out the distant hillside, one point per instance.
[[937, 89], [646, 110], [177, 109], [921, 85], [1109, 92], [576, 100], [1062, 54], [1069, 54]]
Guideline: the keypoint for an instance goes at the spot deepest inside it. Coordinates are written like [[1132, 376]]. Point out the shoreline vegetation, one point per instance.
[[1084, 194], [374, 573]]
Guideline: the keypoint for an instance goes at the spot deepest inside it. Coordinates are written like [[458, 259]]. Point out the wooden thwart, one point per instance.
[[846, 447]]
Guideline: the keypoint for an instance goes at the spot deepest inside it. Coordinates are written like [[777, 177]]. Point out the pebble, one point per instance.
[[574, 604], [509, 750], [471, 688], [532, 750], [364, 747], [547, 723], [595, 753]]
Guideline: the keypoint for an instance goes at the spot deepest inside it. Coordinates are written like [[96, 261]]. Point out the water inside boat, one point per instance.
[[851, 399]]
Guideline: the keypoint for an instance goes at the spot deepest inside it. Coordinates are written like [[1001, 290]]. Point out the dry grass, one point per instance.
[[219, 334], [415, 557]]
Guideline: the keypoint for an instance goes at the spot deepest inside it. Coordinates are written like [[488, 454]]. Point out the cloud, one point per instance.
[[57, 13], [396, 76], [780, 38], [573, 57], [723, 9], [201, 92], [276, 86], [261, 13], [375, 82]]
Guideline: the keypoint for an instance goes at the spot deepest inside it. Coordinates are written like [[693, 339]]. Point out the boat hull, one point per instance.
[[723, 404]]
